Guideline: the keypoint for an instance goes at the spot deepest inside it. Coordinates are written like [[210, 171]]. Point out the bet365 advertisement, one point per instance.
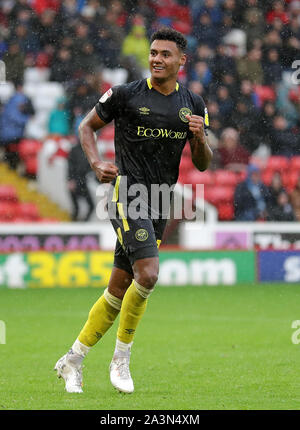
[[82, 269]]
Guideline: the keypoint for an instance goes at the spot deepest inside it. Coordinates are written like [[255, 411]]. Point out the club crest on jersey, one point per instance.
[[183, 113], [141, 235], [106, 96]]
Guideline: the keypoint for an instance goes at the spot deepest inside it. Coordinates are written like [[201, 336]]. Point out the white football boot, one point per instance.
[[120, 374], [71, 373]]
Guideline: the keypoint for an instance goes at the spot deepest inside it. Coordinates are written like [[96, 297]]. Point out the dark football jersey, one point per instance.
[[151, 129]]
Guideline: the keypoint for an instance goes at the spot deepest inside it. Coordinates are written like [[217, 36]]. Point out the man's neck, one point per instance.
[[164, 87]]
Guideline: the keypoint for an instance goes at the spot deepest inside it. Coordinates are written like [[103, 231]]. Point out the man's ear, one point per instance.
[[182, 59]]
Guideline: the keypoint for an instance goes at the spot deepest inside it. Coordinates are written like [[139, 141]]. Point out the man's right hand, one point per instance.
[[105, 171]]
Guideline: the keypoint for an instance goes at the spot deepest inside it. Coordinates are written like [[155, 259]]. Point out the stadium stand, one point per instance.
[[245, 46]]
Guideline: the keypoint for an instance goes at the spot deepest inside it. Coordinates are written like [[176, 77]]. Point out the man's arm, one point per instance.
[[201, 152], [105, 171]]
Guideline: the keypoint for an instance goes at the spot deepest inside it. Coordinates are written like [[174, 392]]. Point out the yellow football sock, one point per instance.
[[133, 307], [101, 317]]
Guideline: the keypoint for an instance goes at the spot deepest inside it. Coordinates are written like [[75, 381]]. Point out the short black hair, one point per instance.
[[167, 33]]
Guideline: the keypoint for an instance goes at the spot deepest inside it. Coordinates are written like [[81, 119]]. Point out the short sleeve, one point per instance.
[[108, 106]]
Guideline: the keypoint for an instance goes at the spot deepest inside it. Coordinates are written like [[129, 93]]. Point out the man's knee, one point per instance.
[[146, 273]]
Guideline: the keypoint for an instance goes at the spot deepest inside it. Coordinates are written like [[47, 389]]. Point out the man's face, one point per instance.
[[165, 59]]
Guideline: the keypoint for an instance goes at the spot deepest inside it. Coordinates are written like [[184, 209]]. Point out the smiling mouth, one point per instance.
[[158, 68]]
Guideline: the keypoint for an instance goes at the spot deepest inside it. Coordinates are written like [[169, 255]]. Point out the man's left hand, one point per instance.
[[196, 126]]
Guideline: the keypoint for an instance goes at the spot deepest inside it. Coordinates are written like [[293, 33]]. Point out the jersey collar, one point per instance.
[[150, 85]]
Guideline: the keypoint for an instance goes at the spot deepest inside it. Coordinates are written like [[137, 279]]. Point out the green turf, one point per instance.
[[200, 348]]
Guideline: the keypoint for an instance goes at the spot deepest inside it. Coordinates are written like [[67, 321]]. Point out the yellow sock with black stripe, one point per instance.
[[101, 317], [133, 307]]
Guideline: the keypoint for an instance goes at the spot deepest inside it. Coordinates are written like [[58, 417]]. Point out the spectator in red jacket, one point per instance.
[[278, 12]]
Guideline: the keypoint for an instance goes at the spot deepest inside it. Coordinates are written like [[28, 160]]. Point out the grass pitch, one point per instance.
[[226, 347]]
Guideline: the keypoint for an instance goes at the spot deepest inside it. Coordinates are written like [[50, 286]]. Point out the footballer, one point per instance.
[[153, 119]]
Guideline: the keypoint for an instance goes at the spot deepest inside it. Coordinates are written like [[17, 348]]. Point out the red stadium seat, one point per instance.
[[186, 164], [29, 148], [225, 177], [267, 176], [8, 211], [226, 211], [8, 193], [31, 166], [265, 93], [186, 150], [195, 177], [217, 195], [107, 133], [28, 211], [295, 163], [290, 179], [277, 162], [109, 155]]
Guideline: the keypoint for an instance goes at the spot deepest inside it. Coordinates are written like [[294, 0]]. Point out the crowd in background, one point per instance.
[[239, 54]]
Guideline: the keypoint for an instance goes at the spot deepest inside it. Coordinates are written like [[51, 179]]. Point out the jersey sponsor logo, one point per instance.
[[160, 133], [141, 235], [106, 96], [206, 119], [183, 113], [144, 110]]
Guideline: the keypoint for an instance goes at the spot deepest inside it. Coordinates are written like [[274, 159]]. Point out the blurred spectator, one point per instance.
[[13, 119], [49, 29], [247, 94], [253, 22], [205, 31], [295, 199], [232, 7], [86, 60], [222, 64], [14, 62], [250, 197], [272, 68], [82, 97], [26, 39], [108, 47], [197, 88], [59, 119], [232, 155], [212, 9], [78, 169], [277, 12], [283, 140], [268, 113], [282, 210], [275, 188], [137, 45], [245, 119], [225, 102], [201, 73], [41, 5], [62, 66], [250, 67]]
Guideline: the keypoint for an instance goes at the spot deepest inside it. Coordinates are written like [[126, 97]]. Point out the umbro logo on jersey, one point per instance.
[[144, 110]]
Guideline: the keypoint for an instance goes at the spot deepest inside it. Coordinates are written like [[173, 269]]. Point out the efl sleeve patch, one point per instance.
[[106, 96]]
